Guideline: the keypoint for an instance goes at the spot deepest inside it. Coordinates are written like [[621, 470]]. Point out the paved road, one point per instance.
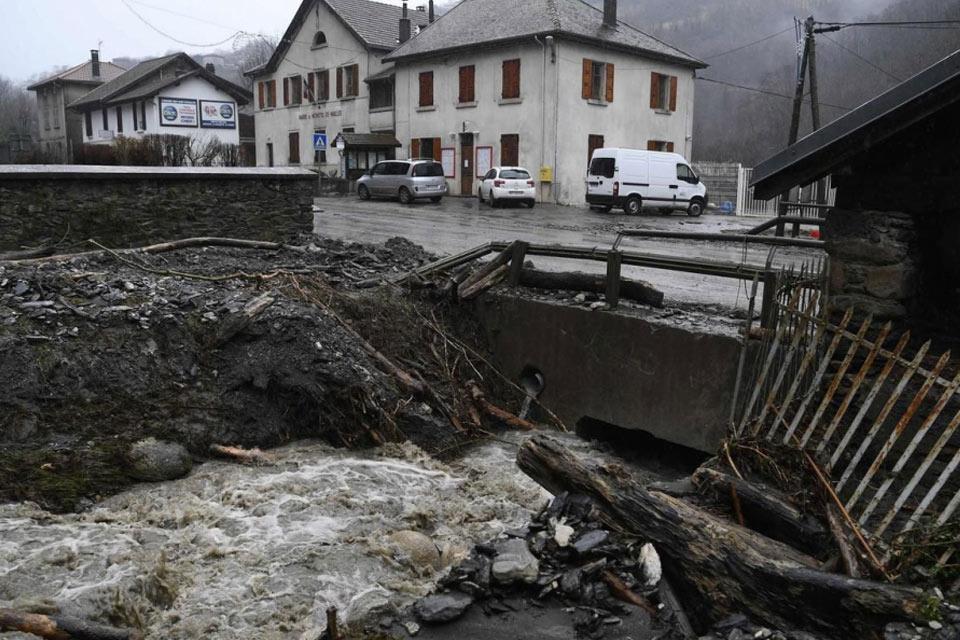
[[459, 224]]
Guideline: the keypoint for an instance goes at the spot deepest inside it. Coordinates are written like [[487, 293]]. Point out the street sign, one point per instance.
[[319, 142]]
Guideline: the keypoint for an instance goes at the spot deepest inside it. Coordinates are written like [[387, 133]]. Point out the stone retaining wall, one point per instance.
[[131, 206]]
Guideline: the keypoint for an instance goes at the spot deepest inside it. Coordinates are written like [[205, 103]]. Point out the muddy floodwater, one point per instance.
[[261, 552]]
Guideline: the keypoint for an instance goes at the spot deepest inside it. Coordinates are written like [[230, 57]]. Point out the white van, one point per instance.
[[637, 180]]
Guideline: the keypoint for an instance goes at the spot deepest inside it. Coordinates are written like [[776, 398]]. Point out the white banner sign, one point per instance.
[[178, 112], [218, 115]]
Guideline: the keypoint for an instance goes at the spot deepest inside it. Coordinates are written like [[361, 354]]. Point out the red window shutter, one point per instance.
[[272, 93], [340, 82], [414, 148], [426, 89], [355, 71], [654, 90], [652, 145], [467, 79], [673, 93], [670, 147], [294, 148], [261, 95], [286, 91], [510, 150], [587, 90], [436, 149], [609, 95], [310, 87], [324, 85], [511, 79]]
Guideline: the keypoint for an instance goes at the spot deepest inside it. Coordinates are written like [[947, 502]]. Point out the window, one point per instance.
[[468, 77], [490, 174], [319, 39], [663, 92], [292, 90], [594, 142], [425, 148], [511, 79], [659, 145], [323, 88], [514, 174], [603, 167], [348, 81], [119, 119], [294, 141], [510, 150], [426, 89], [686, 174], [106, 120], [381, 94], [597, 80], [261, 95], [320, 157], [428, 170], [310, 88], [88, 122], [143, 116], [272, 94]]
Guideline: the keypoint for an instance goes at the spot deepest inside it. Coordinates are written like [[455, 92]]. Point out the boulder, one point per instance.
[[154, 460], [421, 551], [442, 607], [514, 563]]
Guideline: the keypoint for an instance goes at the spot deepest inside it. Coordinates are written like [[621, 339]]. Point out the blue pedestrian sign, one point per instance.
[[319, 142]]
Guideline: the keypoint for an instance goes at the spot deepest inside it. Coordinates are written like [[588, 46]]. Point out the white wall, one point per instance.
[[193, 88], [342, 49], [552, 119]]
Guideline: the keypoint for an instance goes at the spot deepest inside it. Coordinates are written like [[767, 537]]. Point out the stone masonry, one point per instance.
[[874, 261], [128, 207]]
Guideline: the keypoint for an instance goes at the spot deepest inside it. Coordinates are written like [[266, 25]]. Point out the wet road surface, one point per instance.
[[458, 224]]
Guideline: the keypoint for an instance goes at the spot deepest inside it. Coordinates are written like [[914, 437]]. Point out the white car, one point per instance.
[[503, 184]]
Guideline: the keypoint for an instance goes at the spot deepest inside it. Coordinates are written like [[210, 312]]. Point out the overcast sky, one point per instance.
[[38, 35]]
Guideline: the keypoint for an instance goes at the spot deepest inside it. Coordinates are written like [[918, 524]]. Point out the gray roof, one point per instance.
[[370, 140], [824, 151], [375, 24], [480, 22], [142, 82], [82, 73]]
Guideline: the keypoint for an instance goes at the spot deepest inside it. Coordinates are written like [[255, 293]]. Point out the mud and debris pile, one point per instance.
[[104, 350]]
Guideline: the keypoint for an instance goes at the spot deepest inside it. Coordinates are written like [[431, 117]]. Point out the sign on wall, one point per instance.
[[178, 112], [448, 158], [484, 161], [215, 114]]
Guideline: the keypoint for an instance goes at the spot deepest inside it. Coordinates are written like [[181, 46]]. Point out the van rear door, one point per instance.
[[600, 177]]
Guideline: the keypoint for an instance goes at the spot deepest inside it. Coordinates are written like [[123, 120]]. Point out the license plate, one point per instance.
[[517, 192]]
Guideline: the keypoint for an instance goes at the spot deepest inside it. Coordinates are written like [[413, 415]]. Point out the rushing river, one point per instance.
[[260, 552]]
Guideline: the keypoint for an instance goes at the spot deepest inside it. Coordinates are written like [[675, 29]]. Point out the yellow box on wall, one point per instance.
[[546, 174]]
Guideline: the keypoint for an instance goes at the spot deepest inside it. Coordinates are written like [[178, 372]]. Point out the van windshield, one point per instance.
[[603, 167]]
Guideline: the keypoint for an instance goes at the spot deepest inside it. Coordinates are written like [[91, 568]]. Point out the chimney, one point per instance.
[[212, 68], [404, 25], [610, 13], [432, 14], [95, 62]]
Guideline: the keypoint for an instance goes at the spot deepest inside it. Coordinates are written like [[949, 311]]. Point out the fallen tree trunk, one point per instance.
[[486, 270], [634, 290], [487, 282], [767, 511], [719, 568], [61, 627]]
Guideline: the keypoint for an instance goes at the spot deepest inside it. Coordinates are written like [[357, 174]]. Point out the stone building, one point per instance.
[[173, 94], [328, 76], [61, 130], [894, 234], [541, 84]]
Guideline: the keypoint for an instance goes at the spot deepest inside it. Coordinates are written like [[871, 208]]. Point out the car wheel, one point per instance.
[[405, 196], [363, 192], [436, 199], [633, 206], [531, 203], [695, 209]]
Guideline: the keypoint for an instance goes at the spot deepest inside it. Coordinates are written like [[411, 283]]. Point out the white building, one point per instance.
[[169, 95], [327, 76], [538, 83], [61, 130]]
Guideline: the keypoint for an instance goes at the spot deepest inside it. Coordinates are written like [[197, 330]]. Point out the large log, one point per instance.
[[61, 627], [719, 568], [635, 290]]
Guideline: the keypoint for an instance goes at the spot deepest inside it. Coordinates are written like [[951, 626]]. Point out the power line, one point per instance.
[[183, 15], [768, 93], [178, 41], [741, 48], [844, 25], [857, 55]]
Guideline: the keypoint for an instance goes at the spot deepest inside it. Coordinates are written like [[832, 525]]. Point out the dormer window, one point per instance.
[[319, 39]]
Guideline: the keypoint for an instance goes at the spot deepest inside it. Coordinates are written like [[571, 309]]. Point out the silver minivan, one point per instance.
[[408, 180]]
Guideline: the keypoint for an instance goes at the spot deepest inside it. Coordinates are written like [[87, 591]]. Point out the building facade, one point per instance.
[[328, 76], [170, 95], [539, 87], [61, 130]]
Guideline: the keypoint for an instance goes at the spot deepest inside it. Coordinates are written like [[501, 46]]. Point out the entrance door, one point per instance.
[[466, 164]]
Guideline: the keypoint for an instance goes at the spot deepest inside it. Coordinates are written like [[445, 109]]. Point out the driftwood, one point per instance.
[[635, 290], [620, 591], [237, 322], [851, 561], [163, 247], [717, 567], [492, 410], [61, 627], [246, 456], [486, 270], [766, 510], [493, 279]]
